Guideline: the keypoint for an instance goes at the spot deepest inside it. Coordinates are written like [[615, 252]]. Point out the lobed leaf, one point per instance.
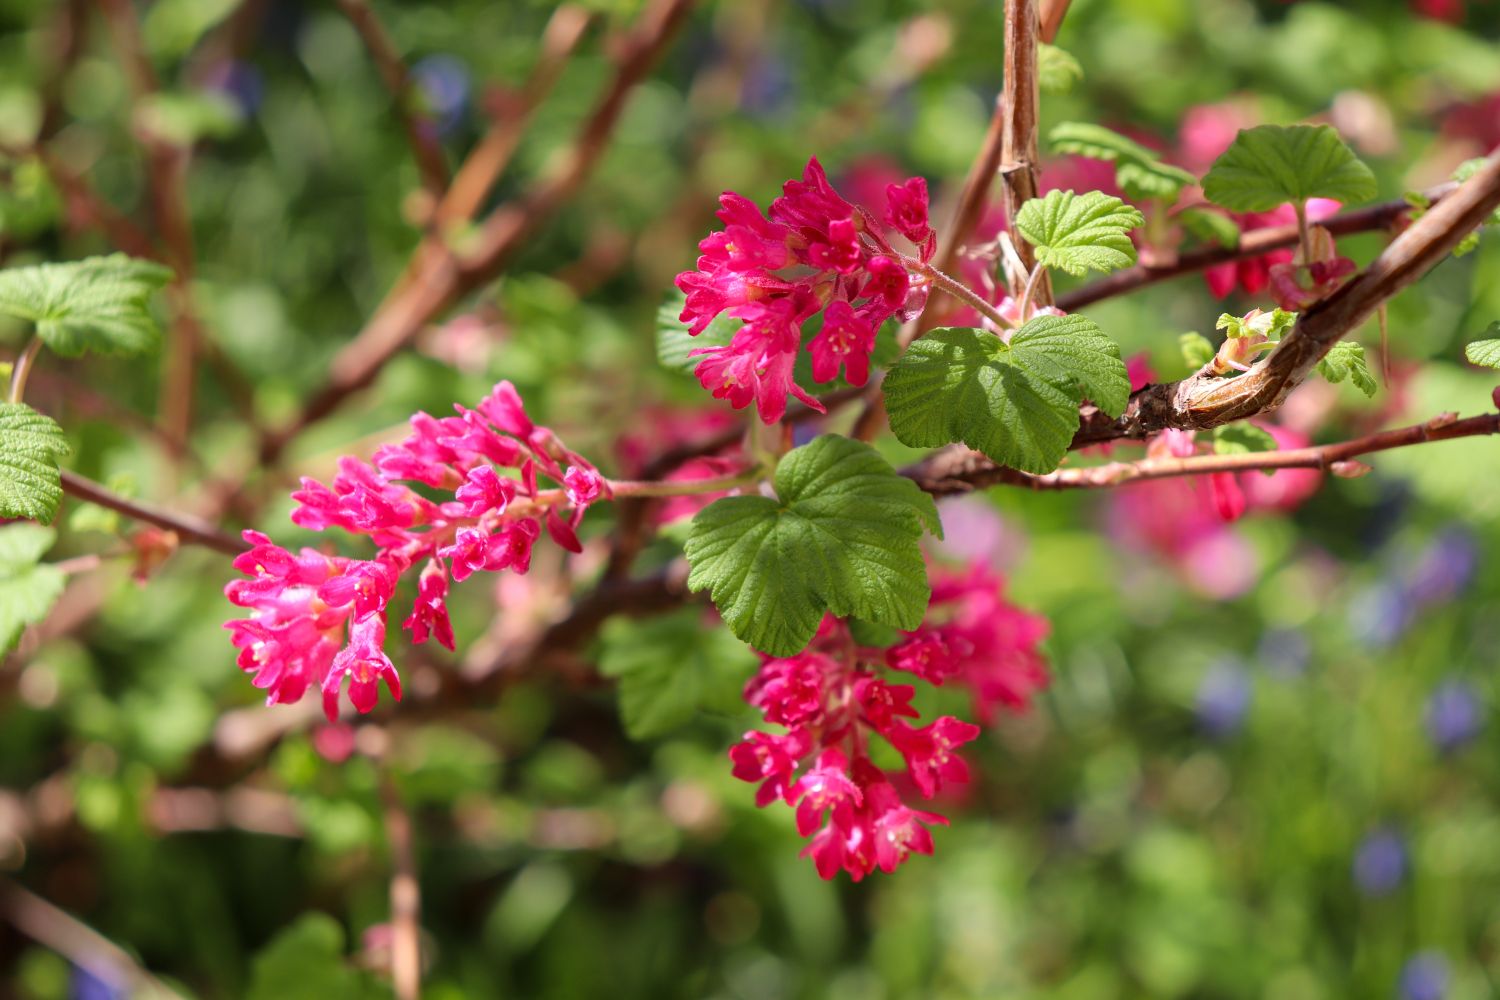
[[674, 343], [1347, 361], [1017, 402], [1056, 70], [1079, 232], [30, 446], [1486, 352], [1270, 165], [28, 589], [671, 669], [841, 536], [1138, 170], [98, 304]]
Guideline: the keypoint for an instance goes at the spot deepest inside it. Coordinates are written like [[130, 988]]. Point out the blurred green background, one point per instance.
[[1266, 766]]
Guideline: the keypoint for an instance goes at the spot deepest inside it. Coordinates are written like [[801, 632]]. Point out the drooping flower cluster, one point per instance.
[[318, 619], [815, 253], [836, 695]]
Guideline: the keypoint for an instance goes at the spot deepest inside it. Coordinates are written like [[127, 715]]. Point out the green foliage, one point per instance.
[[306, 962], [1347, 361], [1485, 352], [1270, 165], [1242, 439], [28, 589], [1017, 402], [671, 669], [30, 446], [1079, 232], [98, 304], [841, 536], [1056, 70], [674, 343], [1138, 171], [1197, 350], [1210, 226], [1270, 325]]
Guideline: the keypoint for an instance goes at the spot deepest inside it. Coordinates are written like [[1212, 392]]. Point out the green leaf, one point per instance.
[[1270, 165], [97, 304], [673, 342], [1138, 171], [671, 669], [28, 589], [842, 537], [30, 446], [1078, 232], [1270, 325], [1485, 352], [1056, 70], [1210, 226], [1242, 439], [1197, 350], [1017, 402], [305, 961], [183, 119], [1347, 361]]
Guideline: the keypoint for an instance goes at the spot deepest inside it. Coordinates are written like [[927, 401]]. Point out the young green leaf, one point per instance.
[[673, 342], [1347, 361], [28, 589], [1197, 350], [30, 446], [1210, 226], [98, 304], [1486, 352], [1270, 165], [306, 959], [671, 669], [1076, 232], [1270, 325], [1017, 402], [842, 537], [1138, 171], [1242, 439], [1056, 70]]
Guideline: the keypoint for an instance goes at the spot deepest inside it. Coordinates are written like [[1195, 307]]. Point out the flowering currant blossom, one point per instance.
[[814, 253], [835, 696], [317, 620]]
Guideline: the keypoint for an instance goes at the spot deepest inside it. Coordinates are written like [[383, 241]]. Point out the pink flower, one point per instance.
[[368, 586], [845, 341], [926, 655], [906, 213], [484, 491], [1253, 274], [898, 831], [825, 786], [584, 486], [476, 549], [930, 759], [791, 692], [364, 662], [771, 760], [429, 615]]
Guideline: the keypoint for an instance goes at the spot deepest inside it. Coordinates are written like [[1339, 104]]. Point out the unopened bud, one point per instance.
[[1350, 469]]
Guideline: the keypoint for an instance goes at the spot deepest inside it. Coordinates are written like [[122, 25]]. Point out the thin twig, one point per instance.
[[1019, 166], [1053, 12], [80, 944], [421, 134], [21, 370], [405, 894], [1251, 244], [960, 472], [189, 529]]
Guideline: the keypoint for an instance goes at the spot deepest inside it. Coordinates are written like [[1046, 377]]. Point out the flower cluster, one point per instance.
[[317, 619], [836, 695], [815, 253]]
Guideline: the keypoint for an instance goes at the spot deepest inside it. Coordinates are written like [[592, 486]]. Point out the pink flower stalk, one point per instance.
[[318, 620], [857, 280], [834, 697]]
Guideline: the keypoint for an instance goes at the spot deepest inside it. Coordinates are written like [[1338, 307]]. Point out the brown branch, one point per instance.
[[85, 947], [1251, 244], [1053, 12], [1203, 400], [189, 529], [405, 894], [421, 134], [947, 473], [1019, 166], [446, 277]]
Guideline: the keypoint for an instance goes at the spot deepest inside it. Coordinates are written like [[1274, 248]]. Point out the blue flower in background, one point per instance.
[[241, 82], [1284, 652], [1380, 615], [1223, 698], [1455, 714], [443, 81], [1380, 863], [89, 985], [1425, 976], [1443, 569]]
